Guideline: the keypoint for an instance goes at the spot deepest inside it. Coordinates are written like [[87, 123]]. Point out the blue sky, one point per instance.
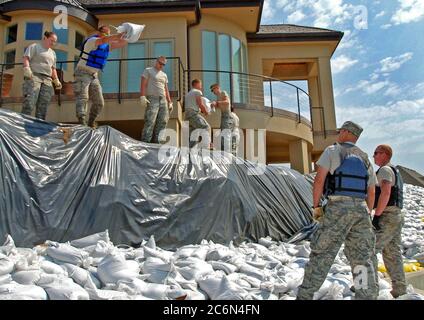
[[378, 68]]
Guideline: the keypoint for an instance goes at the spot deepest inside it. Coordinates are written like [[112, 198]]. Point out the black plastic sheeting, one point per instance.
[[102, 179]]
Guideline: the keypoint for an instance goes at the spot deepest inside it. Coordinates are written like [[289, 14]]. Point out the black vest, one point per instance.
[[396, 192]]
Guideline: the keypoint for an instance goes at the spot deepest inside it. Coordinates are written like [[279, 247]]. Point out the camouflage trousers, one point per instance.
[[156, 119], [87, 86], [227, 127], [198, 126], [37, 93], [346, 220], [388, 242]]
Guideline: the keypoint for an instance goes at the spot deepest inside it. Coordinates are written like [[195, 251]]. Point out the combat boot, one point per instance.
[[82, 121], [92, 124]]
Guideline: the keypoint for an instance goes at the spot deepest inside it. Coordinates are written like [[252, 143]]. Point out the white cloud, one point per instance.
[[386, 26], [398, 123], [409, 11], [381, 14], [268, 11], [342, 63], [296, 17], [391, 64]]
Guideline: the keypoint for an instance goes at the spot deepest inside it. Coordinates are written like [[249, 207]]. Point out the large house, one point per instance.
[[263, 67]]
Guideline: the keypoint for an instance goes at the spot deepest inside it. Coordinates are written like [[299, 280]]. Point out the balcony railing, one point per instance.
[[248, 91]]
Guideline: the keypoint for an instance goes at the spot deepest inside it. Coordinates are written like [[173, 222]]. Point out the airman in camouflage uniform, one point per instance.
[[87, 84], [155, 98], [223, 102], [193, 106], [346, 220], [39, 76], [388, 219]]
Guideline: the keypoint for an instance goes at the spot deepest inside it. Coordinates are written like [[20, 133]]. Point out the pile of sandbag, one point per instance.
[[94, 268]]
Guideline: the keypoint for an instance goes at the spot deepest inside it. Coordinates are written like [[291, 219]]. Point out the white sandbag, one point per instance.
[[260, 294], [52, 268], [16, 291], [166, 256], [8, 246], [91, 240], [228, 290], [65, 289], [253, 272], [154, 290], [5, 279], [210, 284], [6, 265], [385, 294], [208, 105], [133, 31], [27, 277], [151, 243], [193, 268], [266, 242], [186, 251], [226, 267], [220, 253], [157, 270], [66, 253], [335, 292], [114, 268], [195, 295], [80, 275]]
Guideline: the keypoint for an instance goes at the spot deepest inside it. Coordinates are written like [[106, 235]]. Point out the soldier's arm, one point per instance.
[[26, 61], [116, 44], [370, 197], [54, 73], [168, 96], [384, 197], [109, 39], [143, 86], [201, 105], [319, 185]]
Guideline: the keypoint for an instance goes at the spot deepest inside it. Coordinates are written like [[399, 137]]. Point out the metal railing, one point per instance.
[[257, 91], [251, 91], [174, 65]]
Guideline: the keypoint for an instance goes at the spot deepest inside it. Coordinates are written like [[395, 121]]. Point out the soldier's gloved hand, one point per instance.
[[27, 73], [376, 222], [170, 107], [57, 84], [144, 102], [318, 213]]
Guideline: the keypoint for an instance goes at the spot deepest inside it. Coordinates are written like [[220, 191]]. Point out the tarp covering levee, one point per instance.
[[61, 185]]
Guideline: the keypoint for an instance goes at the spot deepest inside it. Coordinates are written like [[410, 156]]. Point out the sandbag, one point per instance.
[[65, 289], [91, 240], [16, 291], [27, 277], [114, 268], [6, 265], [66, 253], [133, 31], [80, 275]]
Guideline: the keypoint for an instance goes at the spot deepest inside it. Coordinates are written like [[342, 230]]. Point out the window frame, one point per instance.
[[8, 32], [34, 22]]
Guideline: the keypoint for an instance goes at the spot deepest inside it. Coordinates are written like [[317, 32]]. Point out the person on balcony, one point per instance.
[[155, 98], [235, 137], [347, 178], [193, 107], [227, 120], [93, 57], [388, 219], [40, 76]]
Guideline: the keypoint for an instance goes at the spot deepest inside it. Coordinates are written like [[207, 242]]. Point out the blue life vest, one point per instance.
[[96, 58], [396, 192], [351, 177]]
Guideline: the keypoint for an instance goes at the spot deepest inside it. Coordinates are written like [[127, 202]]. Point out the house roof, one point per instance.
[[291, 32], [411, 176]]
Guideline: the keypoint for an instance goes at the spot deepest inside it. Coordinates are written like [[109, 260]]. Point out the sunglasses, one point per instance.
[[161, 63], [377, 152]]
